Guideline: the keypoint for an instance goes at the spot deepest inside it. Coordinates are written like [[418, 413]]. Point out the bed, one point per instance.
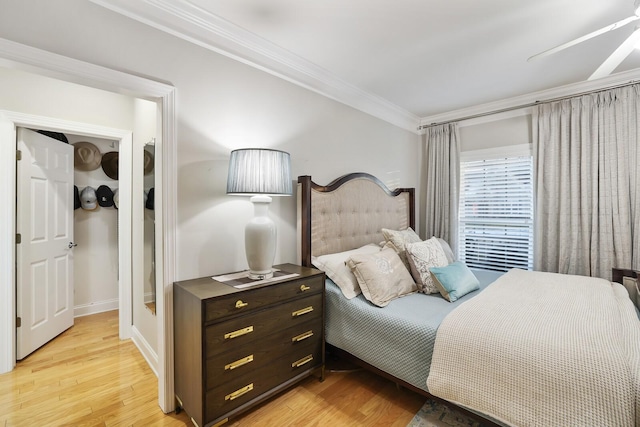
[[415, 340]]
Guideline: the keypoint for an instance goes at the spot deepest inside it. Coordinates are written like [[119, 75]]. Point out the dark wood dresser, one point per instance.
[[235, 347]]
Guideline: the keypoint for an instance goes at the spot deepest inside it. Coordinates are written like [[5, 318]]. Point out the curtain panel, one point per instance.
[[586, 160], [442, 171]]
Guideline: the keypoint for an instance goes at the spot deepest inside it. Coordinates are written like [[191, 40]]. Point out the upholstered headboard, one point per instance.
[[349, 213]]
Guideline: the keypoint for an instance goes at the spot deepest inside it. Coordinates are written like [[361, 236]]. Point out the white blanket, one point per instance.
[[542, 349]]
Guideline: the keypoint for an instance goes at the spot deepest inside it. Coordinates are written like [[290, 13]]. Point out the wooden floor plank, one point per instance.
[[88, 377]]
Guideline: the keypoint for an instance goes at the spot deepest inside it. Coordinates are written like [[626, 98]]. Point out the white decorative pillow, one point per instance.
[[398, 239], [334, 265], [422, 256], [381, 276]]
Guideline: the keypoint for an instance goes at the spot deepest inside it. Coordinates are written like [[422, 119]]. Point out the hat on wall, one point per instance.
[[148, 162], [55, 135], [105, 196], [116, 198], [110, 164], [86, 156], [150, 199], [88, 199], [76, 198]]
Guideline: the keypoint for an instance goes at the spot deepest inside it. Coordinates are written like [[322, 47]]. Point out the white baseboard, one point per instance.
[[147, 352], [149, 297], [95, 307]]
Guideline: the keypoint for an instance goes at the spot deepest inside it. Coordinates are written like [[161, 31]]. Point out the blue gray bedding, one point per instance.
[[397, 339]]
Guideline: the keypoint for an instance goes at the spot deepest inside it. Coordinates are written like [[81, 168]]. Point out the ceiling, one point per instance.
[[419, 57]]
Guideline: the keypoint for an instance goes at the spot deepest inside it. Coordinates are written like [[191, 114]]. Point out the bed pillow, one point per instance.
[[454, 281], [447, 250], [398, 239], [334, 265], [381, 276], [422, 256]]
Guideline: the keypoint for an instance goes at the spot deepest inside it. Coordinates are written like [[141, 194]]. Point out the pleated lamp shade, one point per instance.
[[259, 171]]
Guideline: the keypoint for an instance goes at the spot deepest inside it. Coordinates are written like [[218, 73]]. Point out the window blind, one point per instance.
[[496, 213]]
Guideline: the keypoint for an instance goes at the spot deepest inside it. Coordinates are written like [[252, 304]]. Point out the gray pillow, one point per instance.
[[447, 250], [382, 276]]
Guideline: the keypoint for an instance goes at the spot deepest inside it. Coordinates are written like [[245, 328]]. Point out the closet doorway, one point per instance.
[[67, 261], [11, 122]]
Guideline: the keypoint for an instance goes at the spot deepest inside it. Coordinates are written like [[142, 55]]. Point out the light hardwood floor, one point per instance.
[[88, 377]]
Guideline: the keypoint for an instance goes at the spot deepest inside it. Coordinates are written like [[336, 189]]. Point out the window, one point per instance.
[[496, 210]]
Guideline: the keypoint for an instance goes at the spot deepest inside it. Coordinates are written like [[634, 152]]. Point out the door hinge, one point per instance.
[[18, 238], [18, 322], [18, 155]]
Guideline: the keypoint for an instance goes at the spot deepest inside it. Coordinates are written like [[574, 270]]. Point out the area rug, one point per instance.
[[435, 414]]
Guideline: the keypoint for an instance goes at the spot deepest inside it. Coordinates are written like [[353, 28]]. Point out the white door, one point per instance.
[[44, 257]]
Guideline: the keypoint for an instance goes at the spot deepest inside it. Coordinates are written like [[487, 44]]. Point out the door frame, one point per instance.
[[26, 58]]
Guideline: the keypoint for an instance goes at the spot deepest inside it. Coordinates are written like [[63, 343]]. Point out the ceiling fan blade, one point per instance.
[[617, 56], [586, 37]]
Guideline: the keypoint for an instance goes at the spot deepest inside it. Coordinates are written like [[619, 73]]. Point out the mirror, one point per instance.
[[149, 227]]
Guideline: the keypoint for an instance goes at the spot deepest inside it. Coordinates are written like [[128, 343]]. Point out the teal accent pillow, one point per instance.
[[454, 281]]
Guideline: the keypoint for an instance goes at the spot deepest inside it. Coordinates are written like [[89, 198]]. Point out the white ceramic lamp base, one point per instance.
[[260, 240]]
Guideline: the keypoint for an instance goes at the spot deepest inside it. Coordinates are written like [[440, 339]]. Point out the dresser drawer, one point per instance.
[[221, 337], [254, 299], [258, 354], [244, 388]]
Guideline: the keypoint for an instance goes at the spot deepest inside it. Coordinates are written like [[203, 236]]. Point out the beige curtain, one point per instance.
[[587, 192], [442, 170]]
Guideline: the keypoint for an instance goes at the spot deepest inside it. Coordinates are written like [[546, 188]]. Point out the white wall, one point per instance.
[[221, 105], [42, 96]]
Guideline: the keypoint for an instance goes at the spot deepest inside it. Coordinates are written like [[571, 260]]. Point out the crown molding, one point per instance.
[[530, 99], [185, 20]]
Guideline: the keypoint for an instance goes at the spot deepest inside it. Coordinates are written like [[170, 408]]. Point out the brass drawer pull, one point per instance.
[[304, 288], [302, 361], [238, 333], [240, 304], [236, 394], [302, 337], [302, 311], [241, 362]]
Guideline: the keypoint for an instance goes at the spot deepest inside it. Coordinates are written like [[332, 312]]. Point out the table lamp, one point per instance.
[[260, 173]]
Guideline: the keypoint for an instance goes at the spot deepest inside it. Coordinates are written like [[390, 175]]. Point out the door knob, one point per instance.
[[71, 245]]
